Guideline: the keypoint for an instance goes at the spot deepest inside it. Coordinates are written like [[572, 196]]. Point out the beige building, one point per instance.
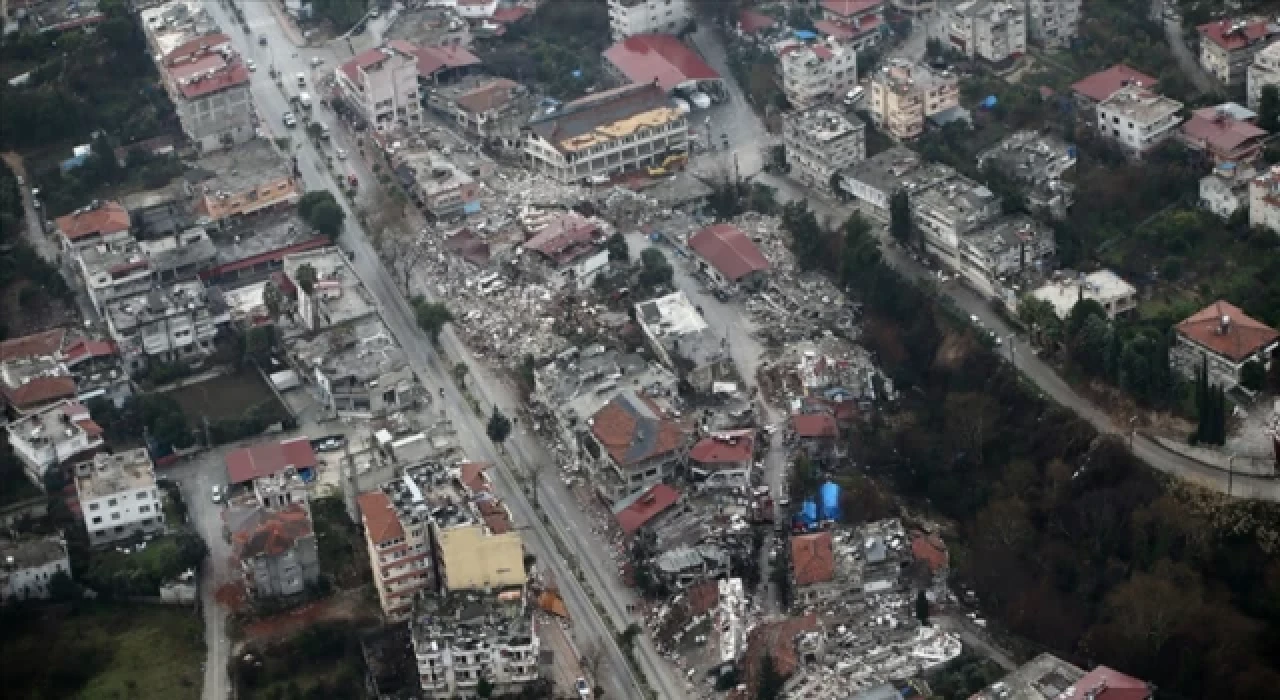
[[382, 85], [1264, 71], [821, 142], [818, 73], [904, 95], [627, 128], [992, 30]]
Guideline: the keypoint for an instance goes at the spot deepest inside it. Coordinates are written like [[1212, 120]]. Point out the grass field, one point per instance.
[[103, 652], [227, 397]]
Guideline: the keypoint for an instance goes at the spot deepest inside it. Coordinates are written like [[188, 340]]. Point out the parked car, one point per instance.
[[217, 494], [251, 65], [262, 40], [584, 690]]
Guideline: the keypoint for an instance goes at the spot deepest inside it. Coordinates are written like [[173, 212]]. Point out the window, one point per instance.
[[111, 503], [141, 495], [115, 516], [93, 506], [97, 520], [144, 509]]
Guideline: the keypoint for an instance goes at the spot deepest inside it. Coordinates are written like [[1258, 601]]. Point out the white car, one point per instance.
[[342, 155], [217, 494], [289, 120], [251, 65], [302, 79], [584, 690]]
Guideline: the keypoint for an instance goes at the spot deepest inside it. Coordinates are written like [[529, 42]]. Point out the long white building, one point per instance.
[[632, 17], [992, 30]]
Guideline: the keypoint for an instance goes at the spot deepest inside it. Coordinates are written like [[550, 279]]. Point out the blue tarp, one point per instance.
[[830, 501], [577, 73], [989, 102], [806, 35], [471, 207], [809, 513]]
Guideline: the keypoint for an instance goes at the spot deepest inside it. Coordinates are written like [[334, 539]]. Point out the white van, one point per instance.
[[700, 100], [855, 96]]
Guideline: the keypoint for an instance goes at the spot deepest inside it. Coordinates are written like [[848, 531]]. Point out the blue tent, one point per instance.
[[988, 102], [805, 35], [830, 501], [809, 513]]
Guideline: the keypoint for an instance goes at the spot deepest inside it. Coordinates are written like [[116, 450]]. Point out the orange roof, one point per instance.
[[815, 425], [473, 476], [41, 390], [750, 21], [813, 558], [491, 95], [638, 509], [381, 523], [929, 549], [44, 344], [549, 601], [273, 533], [1220, 33], [630, 430], [1237, 339], [725, 448], [852, 8], [1104, 84], [108, 218]]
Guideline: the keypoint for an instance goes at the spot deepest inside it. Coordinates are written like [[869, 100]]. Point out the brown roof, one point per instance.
[[703, 597], [1237, 339], [640, 508], [435, 58], [1104, 84], [380, 520], [815, 425], [659, 59], [491, 95], [41, 390], [729, 250], [272, 533], [472, 476], [929, 549], [750, 21], [851, 8], [249, 463], [776, 639], [586, 114], [1220, 33], [109, 217], [46, 344], [1105, 683], [630, 429], [1220, 133], [813, 559]]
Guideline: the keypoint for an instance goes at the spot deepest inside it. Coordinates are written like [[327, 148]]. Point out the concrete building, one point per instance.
[[98, 223], [359, 369], [873, 182], [1137, 119], [915, 8], [51, 366], [679, 336], [54, 436], [628, 18], [816, 74], [1006, 247], [459, 640], [1104, 286], [118, 496], [1037, 162], [1100, 86], [115, 270], [240, 185], [1264, 200], [1226, 190], [381, 85], [821, 142], [723, 459], [208, 83], [276, 549], [177, 323], [1224, 338], [1227, 48], [1045, 677], [334, 295], [949, 211], [627, 128], [992, 30], [1053, 23], [439, 527], [1264, 71], [854, 24], [903, 95], [727, 256], [1224, 134], [28, 564], [492, 109], [436, 185], [638, 445]]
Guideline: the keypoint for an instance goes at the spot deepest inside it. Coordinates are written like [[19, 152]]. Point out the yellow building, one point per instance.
[[904, 95]]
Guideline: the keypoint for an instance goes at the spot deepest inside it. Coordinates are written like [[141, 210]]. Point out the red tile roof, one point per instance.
[[843, 31], [565, 238], [1243, 335], [90, 427], [40, 390], [269, 256], [491, 95], [815, 425], [197, 45], [813, 559], [273, 533], [509, 15], [1109, 684], [230, 76], [1220, 34], [630, 429], [44, 344], [108, 218], [646, 58], [472, 476], [851, 8], [1104, 84], [381, 523], [1219, 133], [436, 58], [645, 507], [750, 21], [84, 349], [727, 248], [929, 549], [730, 447], [249, 463]]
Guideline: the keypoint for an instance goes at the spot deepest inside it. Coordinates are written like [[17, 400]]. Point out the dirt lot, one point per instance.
[[225, 397], [344, 606]]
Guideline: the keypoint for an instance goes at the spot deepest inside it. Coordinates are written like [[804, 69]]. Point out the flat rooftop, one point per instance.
[[824, 125], [433, 172], [173, 23], [1045, 677], [31, 552], [263, 236], [470, 621], [1140, 105], [363, 351], [107, 474], [1008, 234], [1030, 156], [240, 168], [447, 495], [899, 168], [105, 263], [580, 387], [957, 198], [341, 296], [1100, 286], [189, 296]]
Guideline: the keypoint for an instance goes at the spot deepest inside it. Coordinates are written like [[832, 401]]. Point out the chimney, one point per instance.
[[1225, 326]]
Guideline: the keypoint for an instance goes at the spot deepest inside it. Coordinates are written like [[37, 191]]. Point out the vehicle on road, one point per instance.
[[289, 120], [302, 79], [584, 690], [316, 61], [251, 65], [342, 155], [216, 494], [375, 13], [262, 40], [304, 99], [329, 443], [700, 100], [854, 96]]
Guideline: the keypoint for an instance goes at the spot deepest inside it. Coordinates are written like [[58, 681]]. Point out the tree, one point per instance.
[[654, 269], [257, 345], [460, 371], [1269, 108], [484, 688], [804, 480], [322, 212], [900, 217], [499, 426], [306, 278], [431, 317], [1253, 376], [922, 608], [770, 682], [273, 299], [619, 251]]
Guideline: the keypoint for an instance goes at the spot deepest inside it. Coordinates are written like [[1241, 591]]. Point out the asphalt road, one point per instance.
[[589, 629], [1186, 58]]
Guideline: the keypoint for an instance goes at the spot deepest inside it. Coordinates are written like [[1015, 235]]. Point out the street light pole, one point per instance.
[[1133, 430]]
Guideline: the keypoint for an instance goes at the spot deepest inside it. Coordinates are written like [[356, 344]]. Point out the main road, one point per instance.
[[569, 524]]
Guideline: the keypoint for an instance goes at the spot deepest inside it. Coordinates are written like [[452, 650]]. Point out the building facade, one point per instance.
[[54, 436], [814, 74], [1263, 72], [177, 323], [1137, 119], [1227, 48], [1053, 23], [1226, 190], [820, 143], [118, 496], [949, 211], [277, 551], [992, 30], [1264, 200], [631, 17], [381, 84], [208, 83], [904, 95], [1223, 339], [28, 566], [458, 641]]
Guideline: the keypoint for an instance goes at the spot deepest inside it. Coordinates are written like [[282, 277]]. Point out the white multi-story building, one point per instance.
[[460, 640], [1226, 190], [171, 324], [949, 211], [1053, 23], [874, 181], [54, 436], [1103, 286], [382, 85], [1138, 119], [28, 565], [626, 128], [208, 83], [1228, 47], [118, 496], [821, 142], [632, 17], [992, 30], [1264, 200], [903, 95], [1264, 71], [813, 74]]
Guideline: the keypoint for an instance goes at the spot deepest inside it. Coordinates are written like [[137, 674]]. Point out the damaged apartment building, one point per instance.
[[821, 142], [1037, 163], [349, 354], [493, 110], [461, 639], [681, 338]]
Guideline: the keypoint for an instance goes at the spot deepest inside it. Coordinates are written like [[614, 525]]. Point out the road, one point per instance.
[[568, 521], [1186, 58]]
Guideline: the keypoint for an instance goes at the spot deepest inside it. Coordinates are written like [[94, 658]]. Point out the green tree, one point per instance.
[[460, 371], [1253, 376], [257, 345], [306, 275], [922, 608], [770, 682], [900, 217], [804, 479], [1269, 108], [654, 269], [618, 250], [322, 212], [484, 688], [499, 426], [431, 317]]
